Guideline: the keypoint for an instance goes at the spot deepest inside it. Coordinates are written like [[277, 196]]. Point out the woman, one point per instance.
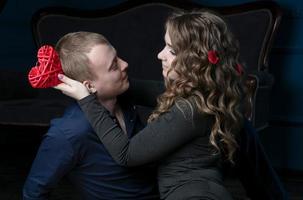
[[195, 125]]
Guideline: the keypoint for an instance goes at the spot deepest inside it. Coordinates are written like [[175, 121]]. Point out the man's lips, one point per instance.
[[125, 77]]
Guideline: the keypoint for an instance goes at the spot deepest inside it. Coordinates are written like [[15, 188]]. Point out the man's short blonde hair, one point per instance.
[[73, 49]]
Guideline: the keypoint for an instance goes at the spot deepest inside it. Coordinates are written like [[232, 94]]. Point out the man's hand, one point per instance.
[[72, 88]]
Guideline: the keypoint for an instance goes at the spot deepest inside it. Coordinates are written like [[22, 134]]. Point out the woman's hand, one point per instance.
[[72, 88]]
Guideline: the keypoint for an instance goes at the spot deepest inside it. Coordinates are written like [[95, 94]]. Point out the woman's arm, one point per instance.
[[157, 140]]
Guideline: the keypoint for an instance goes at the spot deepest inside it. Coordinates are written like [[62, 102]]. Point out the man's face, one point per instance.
[[109, 70]]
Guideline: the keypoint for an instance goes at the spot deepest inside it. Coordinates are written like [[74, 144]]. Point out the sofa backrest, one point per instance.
[[136, 29]]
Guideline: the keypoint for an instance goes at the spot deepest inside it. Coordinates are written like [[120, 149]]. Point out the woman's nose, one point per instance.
[[161, 55]]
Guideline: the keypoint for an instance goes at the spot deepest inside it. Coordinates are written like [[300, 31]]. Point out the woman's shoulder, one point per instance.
[[190, 112], [188, 107]]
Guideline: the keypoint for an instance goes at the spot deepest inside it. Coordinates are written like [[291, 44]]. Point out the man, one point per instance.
[[71, 147]]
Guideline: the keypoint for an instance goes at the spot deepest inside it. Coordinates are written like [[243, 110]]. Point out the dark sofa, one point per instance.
[[136, 30]]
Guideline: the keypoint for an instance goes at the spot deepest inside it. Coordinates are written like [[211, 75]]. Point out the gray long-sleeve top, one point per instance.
[[178, 140]]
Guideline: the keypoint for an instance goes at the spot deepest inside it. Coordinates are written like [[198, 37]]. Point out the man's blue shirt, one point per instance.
[[72, 148]]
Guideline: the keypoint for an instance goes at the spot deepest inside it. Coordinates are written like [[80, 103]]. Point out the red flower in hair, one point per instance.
[[239, 69], [212, 57]]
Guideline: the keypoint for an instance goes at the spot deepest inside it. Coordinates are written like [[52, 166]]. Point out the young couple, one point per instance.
[[197, 126]]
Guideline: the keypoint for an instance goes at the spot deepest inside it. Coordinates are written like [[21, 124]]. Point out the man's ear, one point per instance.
[[90, 87]]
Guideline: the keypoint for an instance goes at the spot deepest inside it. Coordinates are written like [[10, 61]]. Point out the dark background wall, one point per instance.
[[283, 140]]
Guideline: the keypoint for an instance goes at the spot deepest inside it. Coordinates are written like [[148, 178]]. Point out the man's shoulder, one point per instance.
[[72, 123]]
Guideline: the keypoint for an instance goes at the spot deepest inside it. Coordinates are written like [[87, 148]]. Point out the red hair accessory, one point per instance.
[[212, 57], [45, 73], [239, 69]]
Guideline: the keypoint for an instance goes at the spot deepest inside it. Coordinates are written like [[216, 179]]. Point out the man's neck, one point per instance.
[[112, 106], [109, 104]]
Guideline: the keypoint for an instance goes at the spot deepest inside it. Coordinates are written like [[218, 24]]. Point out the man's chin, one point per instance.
[[124, 87]]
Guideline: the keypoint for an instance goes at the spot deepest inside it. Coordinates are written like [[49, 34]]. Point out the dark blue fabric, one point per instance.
[[254, 169], [71, 148]]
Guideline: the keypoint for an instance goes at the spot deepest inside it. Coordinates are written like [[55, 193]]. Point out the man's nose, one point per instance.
[[123, 64]]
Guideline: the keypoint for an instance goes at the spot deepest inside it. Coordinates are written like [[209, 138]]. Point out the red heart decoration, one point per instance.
[[45, 73]]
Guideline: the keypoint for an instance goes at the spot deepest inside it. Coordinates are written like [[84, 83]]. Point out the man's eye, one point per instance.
[[115, 66]]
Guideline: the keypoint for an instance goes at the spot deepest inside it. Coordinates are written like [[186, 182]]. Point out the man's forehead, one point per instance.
[[112, 47], [112, 55], [103, 49], [111, 52], [102, 54]]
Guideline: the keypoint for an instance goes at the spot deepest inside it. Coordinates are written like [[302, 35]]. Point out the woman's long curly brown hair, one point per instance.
[[216, 88]]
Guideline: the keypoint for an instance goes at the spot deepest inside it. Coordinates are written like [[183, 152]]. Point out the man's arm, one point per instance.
[[53, 160]]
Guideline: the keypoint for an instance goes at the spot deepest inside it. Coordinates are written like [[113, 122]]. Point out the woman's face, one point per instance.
[[167, 56]]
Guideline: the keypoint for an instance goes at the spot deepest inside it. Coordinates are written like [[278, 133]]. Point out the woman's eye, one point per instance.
[[172, 52]]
